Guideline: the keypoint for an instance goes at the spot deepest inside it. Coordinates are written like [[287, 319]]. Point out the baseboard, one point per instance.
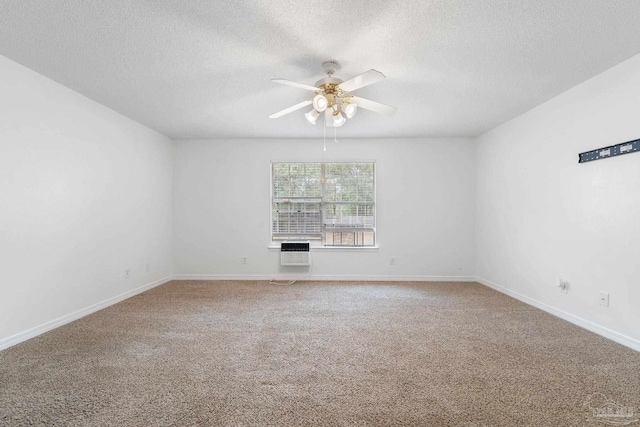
[[632, 343], [52, 324], [326, 278]]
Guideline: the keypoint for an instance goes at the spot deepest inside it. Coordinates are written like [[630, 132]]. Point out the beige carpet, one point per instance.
[[316, 354]]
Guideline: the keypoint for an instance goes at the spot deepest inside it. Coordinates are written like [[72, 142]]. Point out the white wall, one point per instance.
[[425, 208], [542, 216], [84, 194]]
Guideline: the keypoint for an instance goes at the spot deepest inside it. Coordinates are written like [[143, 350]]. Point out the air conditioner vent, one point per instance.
[[295, 253]]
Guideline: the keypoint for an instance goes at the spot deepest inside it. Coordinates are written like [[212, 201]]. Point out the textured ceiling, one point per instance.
[[202, 68]]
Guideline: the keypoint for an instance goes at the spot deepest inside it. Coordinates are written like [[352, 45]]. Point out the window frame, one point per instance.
[[320, 240]]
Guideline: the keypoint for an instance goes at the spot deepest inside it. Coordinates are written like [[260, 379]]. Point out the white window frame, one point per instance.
[[319, 240]]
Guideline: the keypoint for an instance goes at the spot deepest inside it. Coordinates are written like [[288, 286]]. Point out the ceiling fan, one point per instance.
[[333, 97]]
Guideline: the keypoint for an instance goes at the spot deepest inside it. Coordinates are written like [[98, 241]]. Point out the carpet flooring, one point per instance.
[[232, 353]]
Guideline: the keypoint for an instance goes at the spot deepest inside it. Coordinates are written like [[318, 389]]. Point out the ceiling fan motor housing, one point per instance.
[[328, 81]]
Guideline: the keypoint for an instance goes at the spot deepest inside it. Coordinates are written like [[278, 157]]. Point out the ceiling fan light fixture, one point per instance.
[[350, 110], [320, 103], [338, 119], [312, 116]]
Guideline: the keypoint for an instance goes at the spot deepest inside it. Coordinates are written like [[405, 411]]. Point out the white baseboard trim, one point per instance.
[[52, 324], [326, 278], [630, 342]]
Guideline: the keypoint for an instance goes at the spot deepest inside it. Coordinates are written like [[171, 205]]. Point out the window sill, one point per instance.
[[273, 248]]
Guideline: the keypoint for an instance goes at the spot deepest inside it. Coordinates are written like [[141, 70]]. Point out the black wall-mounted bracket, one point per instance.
[[611, 151]]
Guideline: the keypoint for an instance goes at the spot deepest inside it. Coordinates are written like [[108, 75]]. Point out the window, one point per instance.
[[330, 202]]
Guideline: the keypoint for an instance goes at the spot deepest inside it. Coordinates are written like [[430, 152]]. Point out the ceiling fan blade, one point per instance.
[[365, 79], [373, 106], [295, 84], [291, 109]]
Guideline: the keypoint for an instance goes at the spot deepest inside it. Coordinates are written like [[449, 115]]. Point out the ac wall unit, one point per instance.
[[295, 253]]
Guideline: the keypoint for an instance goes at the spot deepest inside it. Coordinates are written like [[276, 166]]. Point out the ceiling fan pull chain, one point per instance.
[[324, 134]]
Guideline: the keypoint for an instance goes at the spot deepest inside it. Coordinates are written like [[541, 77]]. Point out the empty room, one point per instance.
[[288, 213]]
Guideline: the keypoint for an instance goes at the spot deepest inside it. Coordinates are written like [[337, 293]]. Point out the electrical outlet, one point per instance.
[[392, 261], [147, 267], [126, 273], [604, 299], [244, 259]]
